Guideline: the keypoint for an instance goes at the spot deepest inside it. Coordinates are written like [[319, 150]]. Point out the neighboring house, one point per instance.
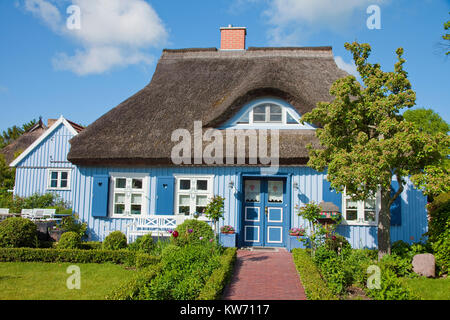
[[43, 167], [24, 141], [127, 158]]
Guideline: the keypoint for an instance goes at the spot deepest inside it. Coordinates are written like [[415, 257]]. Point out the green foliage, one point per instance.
[[441, 250], [71, 255], [426, 120], [143, 244], [446, 36], [7, 178], [214, 210], [133, 289], [42, 201], [17, 232], [14, 132], [213, 288], [193, 232], [185, 271], [400, 266], [72, 224], [116, 240], [365, 140], [337, 243], [439, 212], [69, 240], [315, 287], [391, 288], [311, 213]]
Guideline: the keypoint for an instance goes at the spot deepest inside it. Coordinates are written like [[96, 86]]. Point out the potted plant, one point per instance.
[[227, 229], [299, 232]]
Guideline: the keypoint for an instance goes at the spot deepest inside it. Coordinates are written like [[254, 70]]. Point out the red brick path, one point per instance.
[[263, 275]]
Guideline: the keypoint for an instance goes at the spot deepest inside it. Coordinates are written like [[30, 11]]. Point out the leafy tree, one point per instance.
[[12, 133], [365, 141], [435, 178], [447, 36], [427, 120], [7, 176]]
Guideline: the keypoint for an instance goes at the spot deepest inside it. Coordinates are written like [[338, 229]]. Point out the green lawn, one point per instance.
[[47, 281], [429, 289]]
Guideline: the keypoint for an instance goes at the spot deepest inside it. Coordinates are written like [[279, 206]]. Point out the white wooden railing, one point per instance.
[[157, 225]]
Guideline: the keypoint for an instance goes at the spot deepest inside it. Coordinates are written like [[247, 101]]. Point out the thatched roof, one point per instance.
[[211, 86], [23, 142]]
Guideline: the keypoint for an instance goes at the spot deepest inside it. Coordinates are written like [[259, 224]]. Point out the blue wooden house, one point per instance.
[[43, 166], [159, 156]]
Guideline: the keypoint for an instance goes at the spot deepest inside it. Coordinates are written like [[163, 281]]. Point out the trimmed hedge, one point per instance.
[[315, 287], [219, 278], [76, 256], [132, 289]]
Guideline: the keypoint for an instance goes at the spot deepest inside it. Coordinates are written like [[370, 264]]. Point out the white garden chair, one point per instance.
[[49, 214], [38, 214], [27, 213], [4, 210]]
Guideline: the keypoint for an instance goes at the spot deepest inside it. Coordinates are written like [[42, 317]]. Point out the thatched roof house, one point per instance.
[[24, 141], [207, 85]]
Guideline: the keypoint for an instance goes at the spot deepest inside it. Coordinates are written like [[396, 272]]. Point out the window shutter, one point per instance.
[[396, 207], [331, 195], [100, 192], [165, 195]]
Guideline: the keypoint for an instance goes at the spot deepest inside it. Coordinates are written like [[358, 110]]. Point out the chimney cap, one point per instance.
[[230, 27]]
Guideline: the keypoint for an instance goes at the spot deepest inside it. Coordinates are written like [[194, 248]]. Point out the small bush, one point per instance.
[[18, 232], [219, 278], [71, 223], [400, 248], [391, 288], [69, 240], [143, 244], [337, 243], [114, 241], [441, 250], [315, 287], [400, 266], [193, 232]]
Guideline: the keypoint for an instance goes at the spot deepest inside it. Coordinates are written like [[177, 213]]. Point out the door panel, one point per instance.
[[265, 211]]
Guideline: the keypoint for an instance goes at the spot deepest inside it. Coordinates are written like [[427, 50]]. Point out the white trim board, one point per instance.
[[36, 143]]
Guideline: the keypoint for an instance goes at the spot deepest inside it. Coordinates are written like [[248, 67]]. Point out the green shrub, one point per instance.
[[72, 255], [439, 212], [69, 240], [193, 232], [143, 244], [441, 250], [355, 264], [219, 278], [391, 288], [185, 270], [133, 289], [90, 245], [315, 287], [72, 224], [115, 240], [400, 266], [336, 276], [400, 248], [18, 232], [337, 243]]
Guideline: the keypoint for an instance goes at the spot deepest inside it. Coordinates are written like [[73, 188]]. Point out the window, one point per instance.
[[192, 194], [360, 212], [58, 179], [128, 195]]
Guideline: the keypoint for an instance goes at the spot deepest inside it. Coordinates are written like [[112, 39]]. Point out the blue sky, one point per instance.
[[48, 70]]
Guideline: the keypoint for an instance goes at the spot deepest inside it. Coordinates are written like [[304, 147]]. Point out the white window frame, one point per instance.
[[360, 211], [192, 192], [59, 171], [128, 190], [284, 112]]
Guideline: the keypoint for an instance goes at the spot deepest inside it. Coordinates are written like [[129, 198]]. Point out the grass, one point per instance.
[[47, 281], [429, 289]]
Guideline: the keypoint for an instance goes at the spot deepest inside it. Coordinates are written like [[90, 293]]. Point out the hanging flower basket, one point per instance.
[[298, 232]]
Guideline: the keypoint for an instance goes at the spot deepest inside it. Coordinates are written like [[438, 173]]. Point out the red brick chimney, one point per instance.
[[232, 38]]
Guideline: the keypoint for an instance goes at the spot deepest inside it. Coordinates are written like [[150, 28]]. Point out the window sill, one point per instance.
[[58, 189], [356, 223]]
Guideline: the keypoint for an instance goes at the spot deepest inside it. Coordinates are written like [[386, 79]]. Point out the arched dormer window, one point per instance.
[[268, 113]]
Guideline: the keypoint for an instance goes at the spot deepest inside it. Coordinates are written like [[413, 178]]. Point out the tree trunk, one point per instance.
[[384, 225]]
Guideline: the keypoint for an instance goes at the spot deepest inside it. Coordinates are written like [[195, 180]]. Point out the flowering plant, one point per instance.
[[227, 229], [297, 231]]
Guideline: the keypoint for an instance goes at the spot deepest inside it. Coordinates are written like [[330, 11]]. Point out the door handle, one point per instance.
[[266, 210]]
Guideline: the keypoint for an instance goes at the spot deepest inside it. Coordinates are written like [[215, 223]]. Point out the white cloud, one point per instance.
[[349, 67], [113, 33], [294, 20]]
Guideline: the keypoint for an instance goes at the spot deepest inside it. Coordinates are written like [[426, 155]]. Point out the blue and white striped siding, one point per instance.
[[309, 180], [32, 171], [414, 222], [310, 188]]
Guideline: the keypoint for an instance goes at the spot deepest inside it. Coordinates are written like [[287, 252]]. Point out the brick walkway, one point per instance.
[[264, 275]]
